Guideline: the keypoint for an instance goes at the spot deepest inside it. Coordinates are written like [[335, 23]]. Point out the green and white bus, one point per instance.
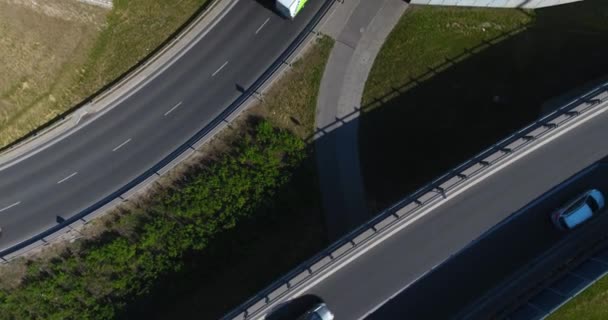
[[290, 8]]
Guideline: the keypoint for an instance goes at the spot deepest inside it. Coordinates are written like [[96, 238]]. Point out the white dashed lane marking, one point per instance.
[[174, 107], [219, 69], [262, 26], [12, 205], [66, 178], [121, 145]]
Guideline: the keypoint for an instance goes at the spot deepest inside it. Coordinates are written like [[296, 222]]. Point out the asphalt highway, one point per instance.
[[364, 285], [455, 289], [105, 155]]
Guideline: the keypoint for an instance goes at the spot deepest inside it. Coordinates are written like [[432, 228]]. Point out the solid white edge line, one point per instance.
[[410, 220], [12, 205], [121, 145], [219, 69], [174, 107], [66, 178], [262, 26]]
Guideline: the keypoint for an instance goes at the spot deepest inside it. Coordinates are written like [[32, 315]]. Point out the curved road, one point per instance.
[[101, 157]]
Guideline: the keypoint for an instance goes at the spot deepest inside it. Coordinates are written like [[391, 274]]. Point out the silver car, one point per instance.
[[318, 312]]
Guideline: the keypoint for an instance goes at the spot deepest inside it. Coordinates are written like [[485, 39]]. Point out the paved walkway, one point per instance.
[[358, 41]]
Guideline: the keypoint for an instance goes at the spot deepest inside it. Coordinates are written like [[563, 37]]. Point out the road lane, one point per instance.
[[140, 117], [471, 274], [369, 281]]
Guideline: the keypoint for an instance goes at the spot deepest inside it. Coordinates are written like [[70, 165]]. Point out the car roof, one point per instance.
[[578, 216]]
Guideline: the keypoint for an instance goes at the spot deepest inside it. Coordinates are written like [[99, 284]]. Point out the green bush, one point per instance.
[[110, 271]]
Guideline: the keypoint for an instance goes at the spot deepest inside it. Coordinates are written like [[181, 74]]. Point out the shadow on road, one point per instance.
[[270, 5]]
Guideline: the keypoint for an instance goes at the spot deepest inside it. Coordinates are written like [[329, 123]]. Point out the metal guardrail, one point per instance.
[[437, 188], [81, 217]]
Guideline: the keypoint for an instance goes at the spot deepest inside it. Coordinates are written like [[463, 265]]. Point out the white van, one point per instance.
[[290, 8]]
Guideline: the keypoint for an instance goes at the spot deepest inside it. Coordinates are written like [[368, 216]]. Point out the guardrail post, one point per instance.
[[441, 191], [484, 163], [549, 125], [228, 124], [528, 137], [594, 101], [571, 113], [504, 149], [259, 96], [462, 176]]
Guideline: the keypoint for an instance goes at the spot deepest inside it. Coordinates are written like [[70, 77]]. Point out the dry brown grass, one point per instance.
[[56, 53], [42, 45]]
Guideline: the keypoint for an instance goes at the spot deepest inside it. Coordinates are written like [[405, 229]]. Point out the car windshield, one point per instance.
[[572, 208], [593, 204]]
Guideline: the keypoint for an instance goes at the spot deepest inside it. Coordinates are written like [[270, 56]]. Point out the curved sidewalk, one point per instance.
[[337, 119]]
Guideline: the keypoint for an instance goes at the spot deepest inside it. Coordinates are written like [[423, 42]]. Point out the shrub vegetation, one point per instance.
[[98, 281]]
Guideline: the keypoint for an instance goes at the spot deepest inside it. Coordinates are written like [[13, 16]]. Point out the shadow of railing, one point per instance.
[[453, 110], [418, 80]]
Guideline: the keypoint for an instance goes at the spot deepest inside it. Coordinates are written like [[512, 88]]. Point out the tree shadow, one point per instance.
[[440, 119]]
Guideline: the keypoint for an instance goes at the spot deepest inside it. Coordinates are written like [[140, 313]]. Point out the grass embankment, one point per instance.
[[218, 234], [449, 82], [56, 54], [591, 304]]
